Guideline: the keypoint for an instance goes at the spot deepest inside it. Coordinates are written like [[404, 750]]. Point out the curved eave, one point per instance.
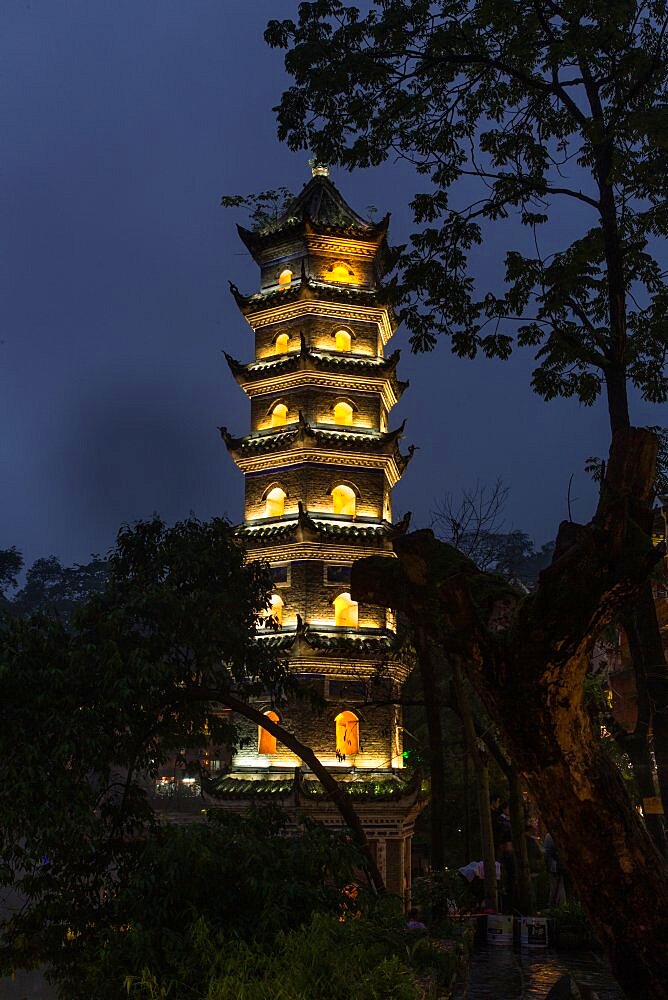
[[370, 232], [261, 373], [305, 288], [257, 242]]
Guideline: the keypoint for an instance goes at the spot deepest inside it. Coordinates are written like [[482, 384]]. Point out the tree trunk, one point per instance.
[[336, 791], [436, 757], [651, 673], [482, 781], [520, 853], [651, 670], [528, 656]]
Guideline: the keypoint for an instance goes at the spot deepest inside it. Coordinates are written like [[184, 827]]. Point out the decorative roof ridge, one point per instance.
[[305, 287]]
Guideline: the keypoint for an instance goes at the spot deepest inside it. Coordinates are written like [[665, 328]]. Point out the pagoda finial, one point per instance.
[[318, 169]]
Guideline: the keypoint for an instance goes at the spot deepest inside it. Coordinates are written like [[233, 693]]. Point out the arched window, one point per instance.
[[276, 608], [282, 342], [347, 734], [342, 340], [344, 500], [343, 414], [275, 502], [279, 415], [285, 277], [267, 742], [340, 272], [345, 611]]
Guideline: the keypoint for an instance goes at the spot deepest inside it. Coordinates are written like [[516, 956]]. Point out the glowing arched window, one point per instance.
[[343, 340], [347, 734], [275, 502], [341, 273], [276, 608], [282, 342], [345, 611], [285, 277], [279, 415], [344, 500], [343, 414], [267, 742]]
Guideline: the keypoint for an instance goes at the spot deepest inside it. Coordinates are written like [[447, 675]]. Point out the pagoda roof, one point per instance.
[[322, 531], [321, 209], [372, 787], [301, 432], [364, 643], [307, 359], [306, 288]]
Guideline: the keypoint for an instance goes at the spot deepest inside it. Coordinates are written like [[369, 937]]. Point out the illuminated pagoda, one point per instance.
[[319, 465]]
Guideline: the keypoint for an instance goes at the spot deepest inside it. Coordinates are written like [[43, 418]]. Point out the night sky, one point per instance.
[[123, 123]]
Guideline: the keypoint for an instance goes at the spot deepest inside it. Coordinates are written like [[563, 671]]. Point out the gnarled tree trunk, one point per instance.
[[534, 651]]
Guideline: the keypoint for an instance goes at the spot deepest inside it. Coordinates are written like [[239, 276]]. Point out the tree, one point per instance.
[[11, 564], [528, 109], [86, 710], [56, 589], [535, 650]]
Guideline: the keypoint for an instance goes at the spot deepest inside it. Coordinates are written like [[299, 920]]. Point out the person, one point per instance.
[[414, 922], [556, 871]]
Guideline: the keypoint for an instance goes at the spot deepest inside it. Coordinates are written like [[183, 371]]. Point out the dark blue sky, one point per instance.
[[123, 123]]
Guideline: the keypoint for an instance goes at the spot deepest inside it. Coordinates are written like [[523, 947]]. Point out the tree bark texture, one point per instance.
[[336, 791], [527, 656]]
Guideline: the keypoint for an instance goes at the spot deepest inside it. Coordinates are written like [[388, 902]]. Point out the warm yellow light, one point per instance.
[[285, 277], [267, 742], [277, 608], [343, 414], [342, 340], [345, 611], [340, 272], [282, 342], [275, 502], [279, 415], [344, 500], [347, 734]]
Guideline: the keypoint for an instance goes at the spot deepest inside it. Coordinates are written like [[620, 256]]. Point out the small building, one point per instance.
[[319, 465]]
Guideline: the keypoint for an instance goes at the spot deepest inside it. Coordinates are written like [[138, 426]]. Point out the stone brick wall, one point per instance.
[[313, 484], [313, 599], [317, 406], [319, 333], [317, 729]]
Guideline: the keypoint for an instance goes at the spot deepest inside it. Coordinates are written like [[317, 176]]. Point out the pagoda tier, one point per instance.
[[323, 369], [264, 451], [304, 288]]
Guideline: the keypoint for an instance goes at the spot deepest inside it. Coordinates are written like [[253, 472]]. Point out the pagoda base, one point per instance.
[[386, 802]]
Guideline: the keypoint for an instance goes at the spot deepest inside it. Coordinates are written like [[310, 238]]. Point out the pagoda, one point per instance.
[[319, 465]]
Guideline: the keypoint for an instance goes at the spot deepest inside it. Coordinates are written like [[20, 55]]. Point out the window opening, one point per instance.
[[276, 608], [343, 414], [285, 277], [282, 342], [275, 502], [343, 340], [344, 500], [266, 741], [279, 415], [347, 734], [345, 611]]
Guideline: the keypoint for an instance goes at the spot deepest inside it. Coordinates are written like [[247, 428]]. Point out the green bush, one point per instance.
[[324, 960]]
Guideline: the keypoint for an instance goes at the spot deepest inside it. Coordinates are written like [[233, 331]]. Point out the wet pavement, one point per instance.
[[501, 973]]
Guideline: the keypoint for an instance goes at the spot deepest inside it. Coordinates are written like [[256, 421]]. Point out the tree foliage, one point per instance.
[[87, 710], [530, 109]]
